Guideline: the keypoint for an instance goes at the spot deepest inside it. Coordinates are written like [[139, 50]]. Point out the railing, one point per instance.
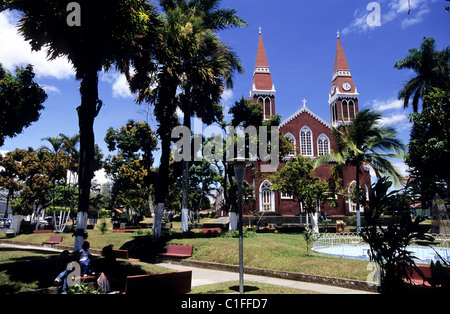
[[332, 239], [348, 241]]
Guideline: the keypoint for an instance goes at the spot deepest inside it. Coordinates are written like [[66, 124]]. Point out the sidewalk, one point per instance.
[[201, 277]]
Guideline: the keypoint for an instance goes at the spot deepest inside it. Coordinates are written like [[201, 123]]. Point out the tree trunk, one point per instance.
[[7, 202], [358, 213], [314, 221], [87, 111], [162, 188], [185, 182]]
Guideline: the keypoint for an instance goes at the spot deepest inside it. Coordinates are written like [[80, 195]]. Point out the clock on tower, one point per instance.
[[343, 98]]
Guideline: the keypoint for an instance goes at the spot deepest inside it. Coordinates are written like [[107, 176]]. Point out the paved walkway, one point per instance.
[[201, 277]]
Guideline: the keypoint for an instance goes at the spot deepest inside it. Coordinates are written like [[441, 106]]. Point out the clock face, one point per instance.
[[333, 89], [346, 86]]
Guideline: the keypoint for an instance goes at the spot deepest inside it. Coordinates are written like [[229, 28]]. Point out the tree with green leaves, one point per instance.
[[21, 101], [297, 178], [389, 244], [191, 59], [102, 38], [365, 142], [429, 147], [432, 70], [131, 168], [35, 174]]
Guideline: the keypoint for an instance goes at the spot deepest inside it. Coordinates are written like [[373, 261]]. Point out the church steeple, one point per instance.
[[343, 98], [263, 91]]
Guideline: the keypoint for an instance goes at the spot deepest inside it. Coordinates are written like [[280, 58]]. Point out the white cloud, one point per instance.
[[393, 114], [384, 105], [227, 96], [16, 51], [399, 121], [120, 87], [49, 89]]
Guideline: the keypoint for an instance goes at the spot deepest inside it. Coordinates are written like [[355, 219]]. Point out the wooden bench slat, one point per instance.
[[54, 240], [166, 283]]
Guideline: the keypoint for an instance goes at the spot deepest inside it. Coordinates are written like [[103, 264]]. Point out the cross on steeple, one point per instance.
[[304, 101], [260, 29], [338, 34]]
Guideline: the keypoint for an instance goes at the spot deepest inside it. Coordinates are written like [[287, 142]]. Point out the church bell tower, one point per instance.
[[263, 91], [343, 98]]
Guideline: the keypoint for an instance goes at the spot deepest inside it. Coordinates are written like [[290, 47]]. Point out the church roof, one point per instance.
[[302, 110], [262, 80], [340, 62], [261, 57]]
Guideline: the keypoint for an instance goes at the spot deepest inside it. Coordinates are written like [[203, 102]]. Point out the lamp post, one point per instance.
[[239, 164]]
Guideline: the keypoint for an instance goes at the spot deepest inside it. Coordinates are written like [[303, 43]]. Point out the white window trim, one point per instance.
[[272, 197], [312, 141], [328, 140]]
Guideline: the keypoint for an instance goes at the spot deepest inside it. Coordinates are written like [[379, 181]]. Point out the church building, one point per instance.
[[310, 134]]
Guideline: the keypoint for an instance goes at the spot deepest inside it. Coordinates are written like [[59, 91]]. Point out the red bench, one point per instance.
[[123, 254], [177, 251], [168, 283], [124, 230], [211, 230], [54, 239], [416, 278], [43, 231]]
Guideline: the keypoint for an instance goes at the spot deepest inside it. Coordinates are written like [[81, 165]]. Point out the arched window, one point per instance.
[[351, 109], [266, 197], [266, 104], [345, 110], [323, 145], [291, 139], [334, 113], [306, 148]]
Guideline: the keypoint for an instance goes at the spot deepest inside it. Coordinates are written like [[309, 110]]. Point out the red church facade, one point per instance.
[[310, 134]]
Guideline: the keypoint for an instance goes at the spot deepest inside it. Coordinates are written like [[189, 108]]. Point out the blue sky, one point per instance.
[[300, 42]]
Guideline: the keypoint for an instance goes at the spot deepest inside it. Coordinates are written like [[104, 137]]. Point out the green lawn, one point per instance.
[[23, 270], [285, 252]]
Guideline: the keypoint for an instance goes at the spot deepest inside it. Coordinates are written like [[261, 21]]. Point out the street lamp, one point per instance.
[[239, 164]]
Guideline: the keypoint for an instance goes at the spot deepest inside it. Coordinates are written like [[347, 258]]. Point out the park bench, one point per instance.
[[211, 230], [124, 230], [123, 254], [167, 283], [416, 279], [54, 239], [177, 251], [43, 231]]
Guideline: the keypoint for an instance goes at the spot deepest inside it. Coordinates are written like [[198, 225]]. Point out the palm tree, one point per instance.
[[192, 59], [208, 68], [107, 30], [432, 69], [365, 142]]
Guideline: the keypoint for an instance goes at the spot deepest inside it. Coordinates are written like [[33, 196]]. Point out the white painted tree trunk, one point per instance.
[[233, 221], [184, 220], [314, 222], [157, 220], [80, 231]]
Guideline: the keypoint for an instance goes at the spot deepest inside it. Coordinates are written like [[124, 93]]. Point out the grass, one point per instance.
[[24, 270], [249, 288], [284, 252]]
